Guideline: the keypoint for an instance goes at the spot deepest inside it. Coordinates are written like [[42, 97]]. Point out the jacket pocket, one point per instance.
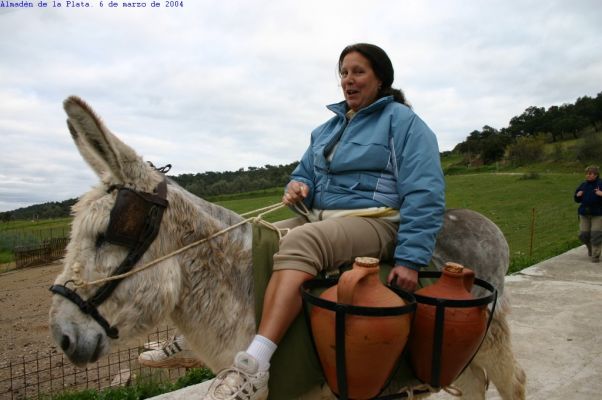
[[351, 156]]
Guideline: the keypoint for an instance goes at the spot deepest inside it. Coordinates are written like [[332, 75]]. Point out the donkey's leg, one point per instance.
[[472, 383], [497, 358]]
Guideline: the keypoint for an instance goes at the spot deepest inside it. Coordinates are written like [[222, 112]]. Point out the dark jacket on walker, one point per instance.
[[591, 203]]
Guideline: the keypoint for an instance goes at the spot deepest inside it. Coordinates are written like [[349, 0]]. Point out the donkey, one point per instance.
[[207, 291]]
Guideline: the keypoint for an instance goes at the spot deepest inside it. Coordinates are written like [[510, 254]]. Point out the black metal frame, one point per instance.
[[341, 311], [440, 305]]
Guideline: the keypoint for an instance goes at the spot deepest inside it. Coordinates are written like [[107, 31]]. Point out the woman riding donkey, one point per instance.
[[372, 182]]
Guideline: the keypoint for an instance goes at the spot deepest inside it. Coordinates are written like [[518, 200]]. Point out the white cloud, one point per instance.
[[222, 85]]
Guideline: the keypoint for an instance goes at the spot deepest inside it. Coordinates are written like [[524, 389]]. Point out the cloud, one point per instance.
[[220, 86]]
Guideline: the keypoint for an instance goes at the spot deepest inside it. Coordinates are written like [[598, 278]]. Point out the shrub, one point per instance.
[[590, 149], [530, 175], [558, 152], [526, 150]]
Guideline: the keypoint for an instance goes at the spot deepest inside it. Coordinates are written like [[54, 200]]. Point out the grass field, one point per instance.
[[245, 205], [537, 215], [27, 233]]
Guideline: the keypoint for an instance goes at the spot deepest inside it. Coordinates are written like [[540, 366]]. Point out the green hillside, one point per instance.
[[537, 215]]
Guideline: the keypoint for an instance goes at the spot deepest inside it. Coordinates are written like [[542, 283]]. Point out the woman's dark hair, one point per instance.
[[382, 66]]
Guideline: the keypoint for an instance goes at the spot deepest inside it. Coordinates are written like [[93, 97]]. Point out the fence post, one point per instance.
[[532, 232]]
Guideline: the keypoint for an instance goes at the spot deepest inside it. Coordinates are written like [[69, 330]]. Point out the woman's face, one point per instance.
[[358, 81], [590, 176]]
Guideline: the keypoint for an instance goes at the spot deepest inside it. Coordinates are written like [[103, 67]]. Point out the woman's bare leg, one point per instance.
[[282, 303]]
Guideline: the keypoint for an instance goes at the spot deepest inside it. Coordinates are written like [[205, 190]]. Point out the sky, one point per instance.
[[223, 85]]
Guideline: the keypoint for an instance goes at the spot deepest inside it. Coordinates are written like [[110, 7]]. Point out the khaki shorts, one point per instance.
[[330, 244]]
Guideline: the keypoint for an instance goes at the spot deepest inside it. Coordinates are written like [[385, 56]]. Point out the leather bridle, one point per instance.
[[134, 223]]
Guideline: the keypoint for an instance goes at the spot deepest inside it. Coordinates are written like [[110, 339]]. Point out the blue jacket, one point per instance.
[[591, 203], [386, 156]]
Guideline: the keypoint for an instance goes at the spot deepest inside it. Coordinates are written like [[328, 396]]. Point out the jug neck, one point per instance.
[[364, 272], [455, 283]]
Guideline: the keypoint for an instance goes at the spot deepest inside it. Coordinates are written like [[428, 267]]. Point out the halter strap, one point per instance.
[[147, 236], [86, 308]]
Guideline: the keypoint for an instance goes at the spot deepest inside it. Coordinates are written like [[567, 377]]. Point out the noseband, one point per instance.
[[134, 223]]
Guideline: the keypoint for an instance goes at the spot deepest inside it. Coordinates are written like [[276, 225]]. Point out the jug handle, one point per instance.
[[468, 278], [348, 281]]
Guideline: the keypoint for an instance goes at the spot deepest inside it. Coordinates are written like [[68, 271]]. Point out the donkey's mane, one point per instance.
[[219, 213]]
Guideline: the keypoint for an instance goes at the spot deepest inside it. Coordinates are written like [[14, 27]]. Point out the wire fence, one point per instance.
[[28, 237], [536, 212], [539, 233], [20, 248], [44, 375], [44, 253]]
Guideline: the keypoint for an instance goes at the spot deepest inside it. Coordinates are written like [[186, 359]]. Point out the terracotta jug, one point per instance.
[[463, 328], [373, 344]]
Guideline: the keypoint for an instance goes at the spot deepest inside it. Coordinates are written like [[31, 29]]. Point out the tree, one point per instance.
[[590, 109], [6, 216], [597, 115], [489, 144], [551, 123], [494, 147]]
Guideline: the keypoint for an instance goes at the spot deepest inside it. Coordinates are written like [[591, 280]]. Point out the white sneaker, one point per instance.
[[174, 353], [154, 345], [242, 381]]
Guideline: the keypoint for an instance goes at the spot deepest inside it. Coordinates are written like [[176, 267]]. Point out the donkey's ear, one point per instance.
[[97, 164], [103, 151]]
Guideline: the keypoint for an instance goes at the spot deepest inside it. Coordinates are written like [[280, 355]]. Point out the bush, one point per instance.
[[530, 175], [526, 150], [558, 152], [590, 149]]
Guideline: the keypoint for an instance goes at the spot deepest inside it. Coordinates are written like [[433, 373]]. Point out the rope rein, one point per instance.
[[412, 391], [76, 268]]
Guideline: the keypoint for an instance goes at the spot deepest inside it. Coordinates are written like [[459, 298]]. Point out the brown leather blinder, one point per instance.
[[130, 215]]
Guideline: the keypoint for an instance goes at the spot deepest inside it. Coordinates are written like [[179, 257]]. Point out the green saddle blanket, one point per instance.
[[295, 367]]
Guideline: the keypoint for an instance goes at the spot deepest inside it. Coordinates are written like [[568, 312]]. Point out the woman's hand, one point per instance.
[[295, 192], [405, 278], [598, 192], [579, 193]]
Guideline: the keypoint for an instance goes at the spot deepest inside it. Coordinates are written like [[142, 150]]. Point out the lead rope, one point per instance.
[[76, 268], [418, 390], [452, 390]]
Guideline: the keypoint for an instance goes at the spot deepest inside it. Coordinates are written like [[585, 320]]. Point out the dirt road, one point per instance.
[[24, 305]]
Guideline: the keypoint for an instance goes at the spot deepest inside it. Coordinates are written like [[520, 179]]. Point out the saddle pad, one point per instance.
[[295, 367]]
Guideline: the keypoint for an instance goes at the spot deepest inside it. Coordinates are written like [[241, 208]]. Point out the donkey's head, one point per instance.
[[116, 226]]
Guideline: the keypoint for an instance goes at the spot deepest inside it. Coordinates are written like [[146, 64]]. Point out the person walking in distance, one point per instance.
[[589, 195]]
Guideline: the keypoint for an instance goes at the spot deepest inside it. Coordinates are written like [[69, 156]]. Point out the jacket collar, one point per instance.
[[341, 108]]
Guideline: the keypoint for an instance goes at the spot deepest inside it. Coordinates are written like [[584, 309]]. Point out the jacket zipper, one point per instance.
[[332, 148]]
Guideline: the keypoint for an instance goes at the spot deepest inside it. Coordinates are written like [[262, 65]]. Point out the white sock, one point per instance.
[[262, 349]]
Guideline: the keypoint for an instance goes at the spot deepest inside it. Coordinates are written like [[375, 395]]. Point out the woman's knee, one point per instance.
[[585, 237], [290, 223]]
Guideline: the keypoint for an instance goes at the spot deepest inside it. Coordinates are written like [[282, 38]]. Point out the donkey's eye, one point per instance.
[[100, 239]]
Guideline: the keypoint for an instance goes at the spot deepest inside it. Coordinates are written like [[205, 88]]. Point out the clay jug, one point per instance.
[[373, 344], [463, 328]]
